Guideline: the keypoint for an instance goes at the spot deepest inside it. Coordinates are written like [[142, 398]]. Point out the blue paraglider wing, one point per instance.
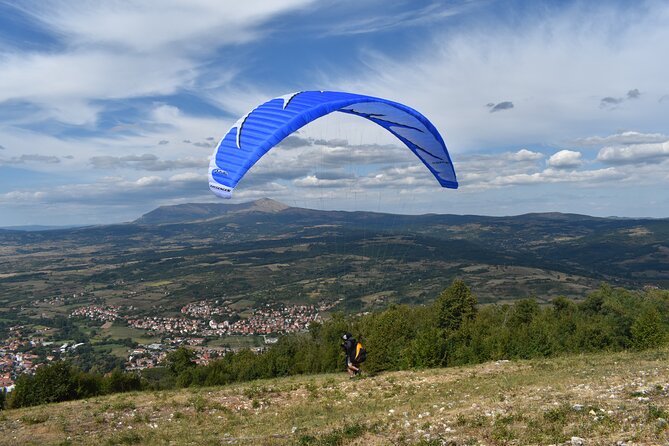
[[267, 125]]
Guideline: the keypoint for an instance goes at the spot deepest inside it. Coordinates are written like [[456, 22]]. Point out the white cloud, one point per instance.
[[485, 172], [149, 181], [623, 138], [91, 74], [526, 155], [131, 149], [635, 153], [565, 159], [143, 191], [393, 20], [65, 85], [469, 167], [562, 176], [555, 67], [125, 49], [189, 176], [156, 25], [146, 161], [314, 181], [585, 178]]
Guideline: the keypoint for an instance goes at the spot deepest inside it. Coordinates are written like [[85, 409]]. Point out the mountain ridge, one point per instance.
[[198, 212], [189, 212]]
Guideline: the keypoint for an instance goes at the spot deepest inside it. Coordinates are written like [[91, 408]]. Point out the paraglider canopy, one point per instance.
[[267, 125]]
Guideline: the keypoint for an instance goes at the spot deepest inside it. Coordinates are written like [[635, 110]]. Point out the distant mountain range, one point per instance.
[[37, 227], [266, 250], [192, 212]]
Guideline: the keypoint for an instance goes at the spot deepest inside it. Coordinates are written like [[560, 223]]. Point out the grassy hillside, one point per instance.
[[620, 398]]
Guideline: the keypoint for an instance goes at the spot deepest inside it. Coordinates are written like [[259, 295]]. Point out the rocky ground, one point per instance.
[[607, 399]]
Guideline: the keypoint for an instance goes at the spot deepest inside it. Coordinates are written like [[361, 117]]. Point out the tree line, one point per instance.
[[453, 330]]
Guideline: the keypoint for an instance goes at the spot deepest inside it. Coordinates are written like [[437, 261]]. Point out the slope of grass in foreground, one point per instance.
[[601, 398]]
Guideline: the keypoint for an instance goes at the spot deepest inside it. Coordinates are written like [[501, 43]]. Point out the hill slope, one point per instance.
[[620, 398]]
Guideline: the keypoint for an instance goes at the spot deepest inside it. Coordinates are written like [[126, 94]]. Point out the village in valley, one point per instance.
[[203, 327]]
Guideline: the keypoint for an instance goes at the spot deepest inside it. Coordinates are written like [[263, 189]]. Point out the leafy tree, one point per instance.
[[388, 336], [159, 378], [427, 349], [524, 311], [647, 330], [180, 360], [594, 302], [87, 384], [563, 306], [117, 381], [455, 305], [50, 384]]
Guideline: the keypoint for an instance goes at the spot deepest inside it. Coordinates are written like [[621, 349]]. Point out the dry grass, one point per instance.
[[601, 398]]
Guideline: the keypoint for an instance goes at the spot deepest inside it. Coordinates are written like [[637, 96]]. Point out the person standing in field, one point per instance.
[[349, 345]]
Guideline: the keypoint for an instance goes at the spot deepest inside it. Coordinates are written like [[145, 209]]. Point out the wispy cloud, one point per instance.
[[156, 25], [556, 67], [547, 176], [111, 190], [31, 158], [147, 161], [623, 138], [124, 50], [387, 18]]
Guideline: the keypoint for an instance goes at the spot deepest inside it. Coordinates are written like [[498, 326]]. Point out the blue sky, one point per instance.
[[110, 109]]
